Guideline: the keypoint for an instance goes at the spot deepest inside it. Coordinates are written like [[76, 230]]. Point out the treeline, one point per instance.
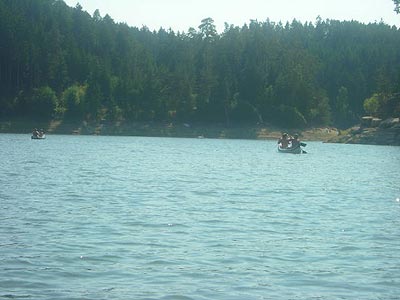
[[58, 61]]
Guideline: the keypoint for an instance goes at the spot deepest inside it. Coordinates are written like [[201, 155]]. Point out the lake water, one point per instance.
[[87, 217]]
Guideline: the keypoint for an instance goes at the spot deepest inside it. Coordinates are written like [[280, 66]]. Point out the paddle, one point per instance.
[[303, 145]]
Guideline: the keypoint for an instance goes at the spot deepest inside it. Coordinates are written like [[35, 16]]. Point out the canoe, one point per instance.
[[42, 137], [295, 150]]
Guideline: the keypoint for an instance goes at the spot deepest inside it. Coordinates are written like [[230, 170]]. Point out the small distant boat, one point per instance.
[[293, 150], [38, 137]]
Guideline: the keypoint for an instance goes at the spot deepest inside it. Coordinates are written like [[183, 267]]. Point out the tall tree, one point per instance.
[[397, 6], [291, 73]]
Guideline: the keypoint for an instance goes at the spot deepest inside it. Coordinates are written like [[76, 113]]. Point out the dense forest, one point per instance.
[[61, 62]]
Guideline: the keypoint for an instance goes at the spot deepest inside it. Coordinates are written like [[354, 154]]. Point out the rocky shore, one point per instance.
[[372, 131], [164, 129]]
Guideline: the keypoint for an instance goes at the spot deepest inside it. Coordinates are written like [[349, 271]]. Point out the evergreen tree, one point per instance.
[[59, 60]]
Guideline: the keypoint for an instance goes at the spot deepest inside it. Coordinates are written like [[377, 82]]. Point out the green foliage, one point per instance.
[[342, 113], [392, 108], [289, 116], [372, 104], [42, 103], [397, 6], [244, 112], [321, 112], [58, 59], [72, 102], [383, 105], [207, 29]]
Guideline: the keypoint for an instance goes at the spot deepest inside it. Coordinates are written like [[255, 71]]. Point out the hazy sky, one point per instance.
[[179, 15]]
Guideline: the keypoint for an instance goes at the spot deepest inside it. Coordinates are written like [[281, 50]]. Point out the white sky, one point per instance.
[[179, 15]]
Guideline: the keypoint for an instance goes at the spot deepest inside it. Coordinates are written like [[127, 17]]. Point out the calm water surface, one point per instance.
[[85, 217]]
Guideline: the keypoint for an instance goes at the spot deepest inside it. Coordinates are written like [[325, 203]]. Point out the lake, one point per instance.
[[97, 217]]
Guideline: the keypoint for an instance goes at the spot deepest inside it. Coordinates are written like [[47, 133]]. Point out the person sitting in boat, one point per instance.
[[284, 141], [294, 141], [35, 132]]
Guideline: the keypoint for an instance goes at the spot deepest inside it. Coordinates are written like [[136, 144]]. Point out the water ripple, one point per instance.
[[152, 218]]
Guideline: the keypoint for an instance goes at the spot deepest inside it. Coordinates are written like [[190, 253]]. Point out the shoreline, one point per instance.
[[371, 131], [355, 135], [152, 129]]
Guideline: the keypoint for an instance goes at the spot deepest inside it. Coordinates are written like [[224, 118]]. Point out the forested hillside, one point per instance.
[[61, 62]]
